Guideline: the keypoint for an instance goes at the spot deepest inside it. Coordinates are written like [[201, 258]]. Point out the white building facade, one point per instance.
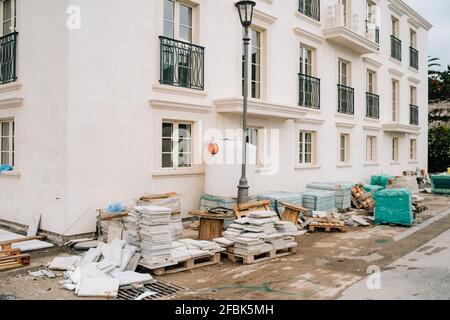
[[102, 100]]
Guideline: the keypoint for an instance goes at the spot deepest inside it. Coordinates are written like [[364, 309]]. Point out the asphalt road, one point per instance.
[[421, 274]]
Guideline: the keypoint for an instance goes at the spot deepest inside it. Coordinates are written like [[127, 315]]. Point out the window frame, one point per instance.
[[395, 27], [374, 89], [177, 21], [413, 38], [303, 63], [395, 96], [261, 49], [344, 149], [11, 138], [395, 144], [371, 149], [413, 149], [12, 18], [346, 75], [301, 148], [175, 138], [413, 95]]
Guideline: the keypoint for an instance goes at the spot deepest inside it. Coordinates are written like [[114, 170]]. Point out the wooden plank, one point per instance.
[[10, 252], [9, 242], [16, 257], [187, 265], [261, 257]]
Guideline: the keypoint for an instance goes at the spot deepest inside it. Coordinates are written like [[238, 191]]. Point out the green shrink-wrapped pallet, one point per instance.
[[394, 206], [441, 184], [381, 181], [373, 189]]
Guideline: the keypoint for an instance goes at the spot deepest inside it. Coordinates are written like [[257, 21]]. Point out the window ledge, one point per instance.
[[413, 70], [179, 90], [10, 174], [344, 115], [177, 173], [395, 163], [344, 165], [395, 61], [304, 17], [307, 167], [372, 120], [369, 164], [11, 103], [13, 86], [413, 162]]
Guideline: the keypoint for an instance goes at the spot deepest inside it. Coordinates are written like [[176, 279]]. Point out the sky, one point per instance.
[[437, 12]]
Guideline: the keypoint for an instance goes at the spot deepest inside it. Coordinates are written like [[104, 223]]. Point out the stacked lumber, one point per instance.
[[362, 199], [327, 224]]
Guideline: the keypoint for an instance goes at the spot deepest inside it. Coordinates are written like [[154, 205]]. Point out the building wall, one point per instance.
[[106, 132]]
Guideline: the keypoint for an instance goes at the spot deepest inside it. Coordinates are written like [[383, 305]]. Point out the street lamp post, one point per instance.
[[245, 9]]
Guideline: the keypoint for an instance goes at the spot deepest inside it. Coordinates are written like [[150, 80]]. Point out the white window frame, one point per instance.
[[344, 148], [306, 67], [395, 88], [177, 21], [344, 78], [413, 38], [371, 149], [372, 81], [13, 18], [301, 148], [395, 30], [261, 49], [395, 143], [413, 95], [11, 142], [260, 145], [413, 149], [175, 145]]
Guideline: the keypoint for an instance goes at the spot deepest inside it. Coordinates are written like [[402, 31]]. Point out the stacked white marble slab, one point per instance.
[[155, 232], [251, 246], [287, 228], [132, 228]]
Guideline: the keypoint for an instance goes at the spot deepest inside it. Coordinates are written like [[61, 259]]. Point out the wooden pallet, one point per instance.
[[14, 261], [242, 210], [186, 265], [257, 258], [327, 228]]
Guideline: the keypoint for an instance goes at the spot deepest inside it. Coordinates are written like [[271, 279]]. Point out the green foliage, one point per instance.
[[439, 149], [439, 86]]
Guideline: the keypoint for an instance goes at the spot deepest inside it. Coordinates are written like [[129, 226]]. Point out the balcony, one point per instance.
[[181, 64], [413, 58], [346, 100], [396, 48], [310, 8], [341, 30], [372, 106], [309, 92], [8, 52], [413, 115]]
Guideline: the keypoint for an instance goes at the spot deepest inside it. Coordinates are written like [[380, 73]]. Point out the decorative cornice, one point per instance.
[[401, 128], [11, 103], [345, 125], [396, 72], [317, 122], [265, 17], [179, 106], [372, 62], [372, 128], [14, 86], [418, 19], [259, 108], [308, 35], [414, 80]]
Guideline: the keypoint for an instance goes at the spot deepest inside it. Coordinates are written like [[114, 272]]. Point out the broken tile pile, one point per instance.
[[356, 218], [102, 270], [258, 233]]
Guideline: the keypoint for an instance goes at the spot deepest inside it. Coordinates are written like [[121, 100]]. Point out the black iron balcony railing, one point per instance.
[[413, 58], [396, 48], [309, 93], [372, 106], [8, 58], [413, 115], [182, 64], [346, 99], [310, 8]]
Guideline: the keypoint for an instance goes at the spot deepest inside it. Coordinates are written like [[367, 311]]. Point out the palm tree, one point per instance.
[[433, 62]]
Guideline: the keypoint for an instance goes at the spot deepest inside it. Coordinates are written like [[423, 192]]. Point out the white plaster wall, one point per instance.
[[94, 104]]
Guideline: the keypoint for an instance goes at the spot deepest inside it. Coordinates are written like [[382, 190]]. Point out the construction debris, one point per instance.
[[362, 199], [419, 204]]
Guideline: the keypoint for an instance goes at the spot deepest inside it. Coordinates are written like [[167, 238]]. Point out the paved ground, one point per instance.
[[325, 266], [423, 274]]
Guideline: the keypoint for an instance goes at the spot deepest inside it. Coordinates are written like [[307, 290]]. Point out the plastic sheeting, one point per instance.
[[394, 207], [343, 192], [441, 183], [381, 181], [373, 189]]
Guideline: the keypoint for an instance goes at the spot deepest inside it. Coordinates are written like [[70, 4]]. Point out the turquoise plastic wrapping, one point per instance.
[[373, 189], [441, 184], [394, 206], [381, 181]]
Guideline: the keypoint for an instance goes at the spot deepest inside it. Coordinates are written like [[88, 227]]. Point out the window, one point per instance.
[[255, 138], [306, 151], [8, 14], [371, 149], [344, 12], [371, 81], [413, 95], [395, 27], [176, 145], [395, 102], [395, 149], [413, 39], [310, 8], [306, 61], [7, 148], [177, 21], [343, 73], [413, 149], [344, 145], [255, 64]]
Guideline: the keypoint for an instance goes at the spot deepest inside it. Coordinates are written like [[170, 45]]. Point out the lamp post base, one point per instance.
[[243, 191]]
